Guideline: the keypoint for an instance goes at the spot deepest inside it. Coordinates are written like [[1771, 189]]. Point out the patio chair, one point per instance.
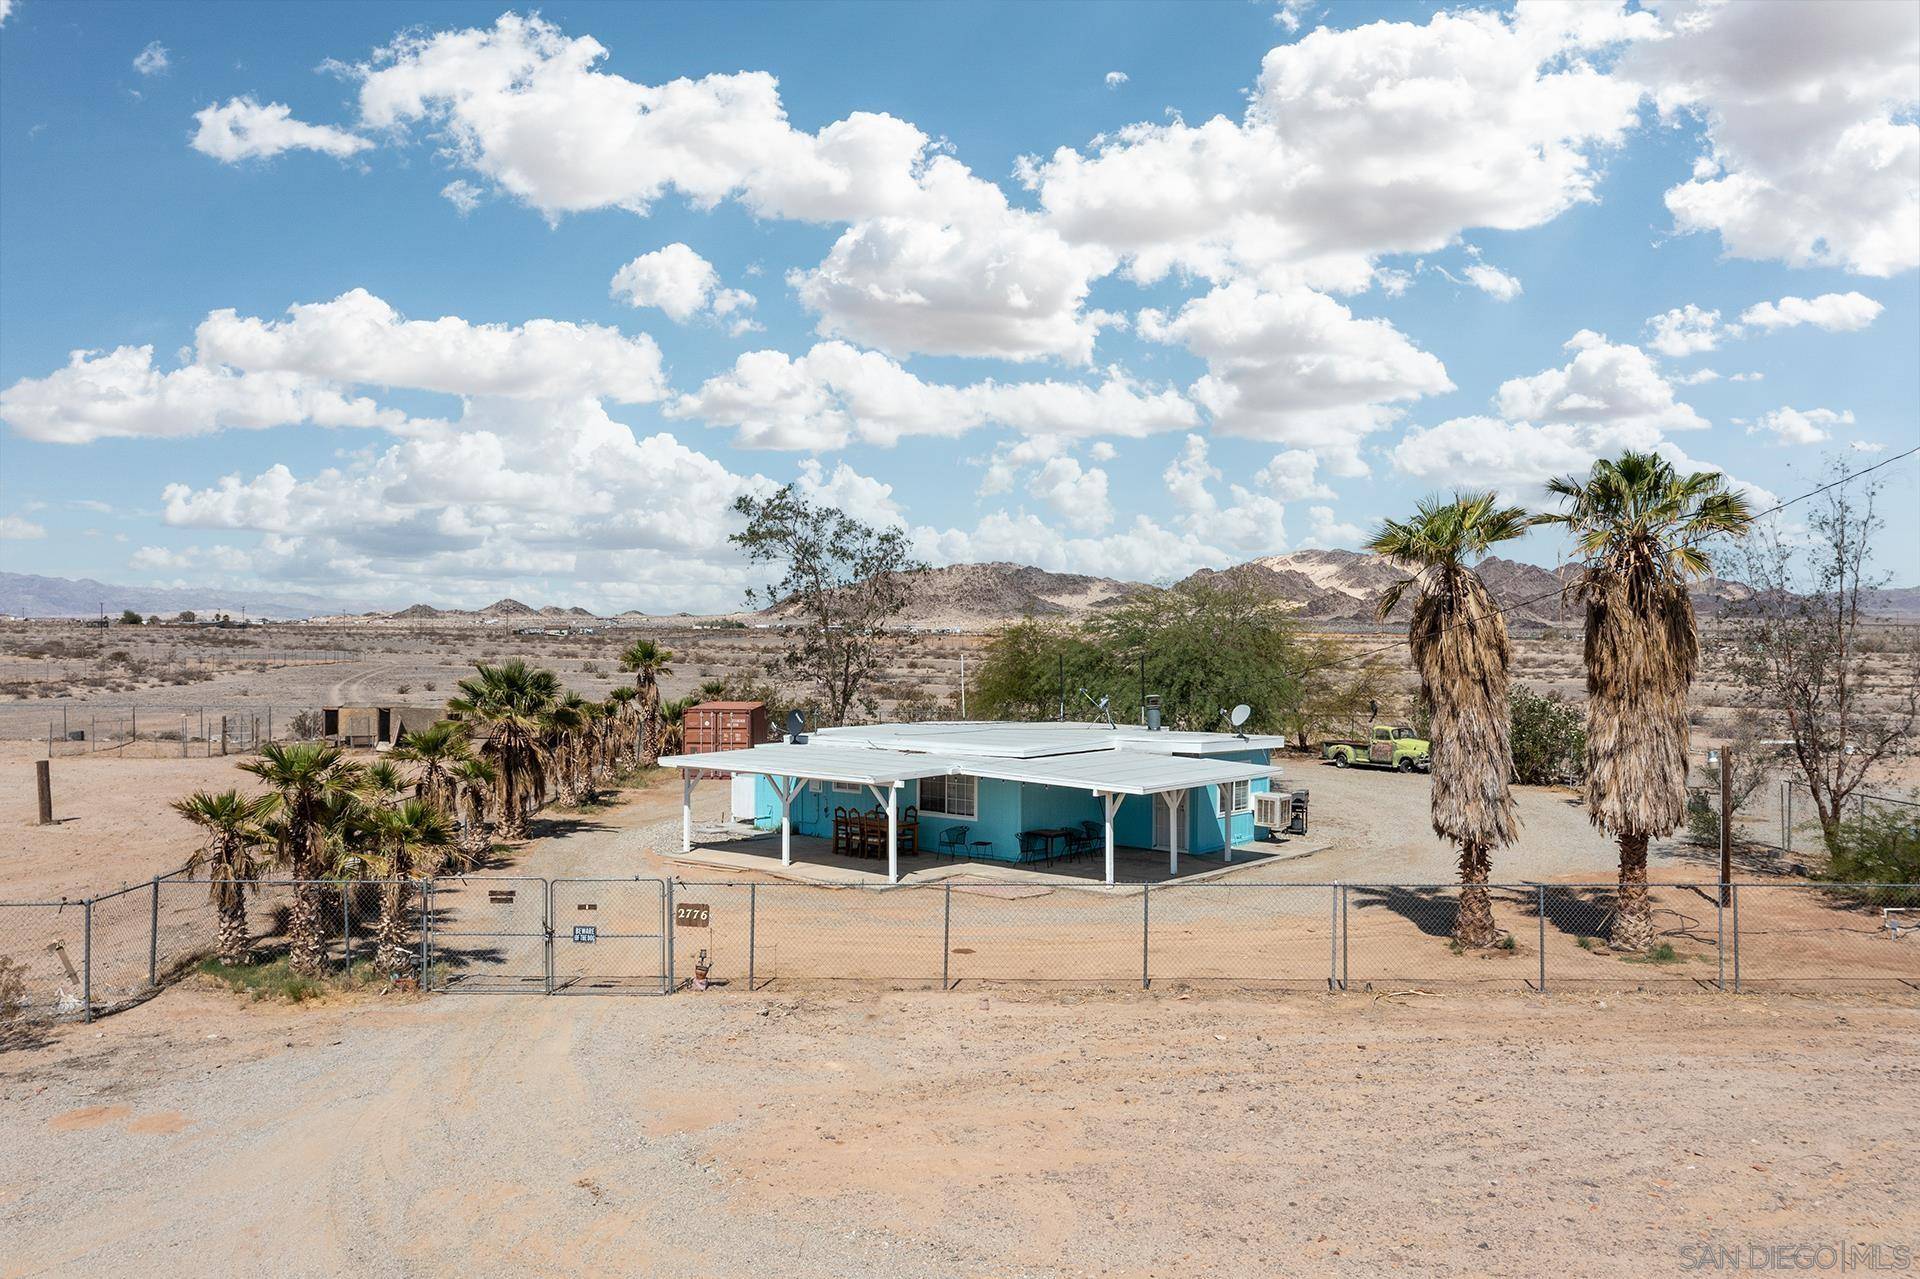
[[1083, 843], [874, 837], [1034, 844], [842, 832], [952, 842], [1095, 835], [910, 830]]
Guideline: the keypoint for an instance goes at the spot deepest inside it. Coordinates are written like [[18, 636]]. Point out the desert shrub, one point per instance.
[[1882, 847], [403, 689], [1703, 819], [13, 993], [1549, 738], [305, 725]]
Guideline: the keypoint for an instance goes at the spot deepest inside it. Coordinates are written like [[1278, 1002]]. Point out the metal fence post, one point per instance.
[[668, 930], [1720, 940], [1343, 937], [1541, 910], [1736, 939], [1146, 928], [346, 928], [426, 933], [153, 935], [753, 920], [946, 933], [86, 963], [1333, 939]]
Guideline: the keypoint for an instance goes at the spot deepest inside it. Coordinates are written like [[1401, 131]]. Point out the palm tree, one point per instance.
[[1640, 524], [411, 837], [382, 783], [309, 778], [673, 726], [626, 718], [566, 739], [1459, 642], [648, 662], [231, 855], [474, 780], [510, 706], [436, 750]]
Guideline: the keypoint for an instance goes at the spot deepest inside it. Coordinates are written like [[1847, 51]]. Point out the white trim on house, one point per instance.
[[945, 783]]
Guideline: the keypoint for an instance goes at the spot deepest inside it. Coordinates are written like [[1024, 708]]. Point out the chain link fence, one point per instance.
[[503, 933], [1799, 817], [161, 732]]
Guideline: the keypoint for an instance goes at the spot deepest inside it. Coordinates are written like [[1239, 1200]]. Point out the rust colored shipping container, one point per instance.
[[726, 726]]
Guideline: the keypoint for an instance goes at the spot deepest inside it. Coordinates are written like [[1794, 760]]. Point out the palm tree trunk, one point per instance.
[[1633, 919], [393, 957], [234, 945], [306, 951], [1473, 924]]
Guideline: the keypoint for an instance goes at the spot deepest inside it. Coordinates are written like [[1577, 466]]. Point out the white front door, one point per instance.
[[1162, 824]]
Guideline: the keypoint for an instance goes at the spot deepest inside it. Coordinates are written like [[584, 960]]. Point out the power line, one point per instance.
[[1562, 589]]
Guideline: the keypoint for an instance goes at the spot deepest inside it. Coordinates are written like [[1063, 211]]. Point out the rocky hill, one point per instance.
[[1345, 587], [969, 596]]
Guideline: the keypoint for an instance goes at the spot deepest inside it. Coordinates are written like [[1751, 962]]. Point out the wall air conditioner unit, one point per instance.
[[1271, 809]]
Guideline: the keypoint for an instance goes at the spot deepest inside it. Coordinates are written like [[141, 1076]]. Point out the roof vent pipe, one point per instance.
[[1153, 712]]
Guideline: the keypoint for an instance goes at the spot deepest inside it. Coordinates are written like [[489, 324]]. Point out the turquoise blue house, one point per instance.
[[1010, 792]]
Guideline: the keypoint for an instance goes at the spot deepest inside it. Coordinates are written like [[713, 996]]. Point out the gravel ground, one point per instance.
[[842, 1134]]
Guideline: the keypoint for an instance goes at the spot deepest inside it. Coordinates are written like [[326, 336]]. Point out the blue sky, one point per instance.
[[1128, 289]]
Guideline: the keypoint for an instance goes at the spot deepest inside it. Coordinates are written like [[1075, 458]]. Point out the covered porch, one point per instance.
[[742, 849], [1061, 810]]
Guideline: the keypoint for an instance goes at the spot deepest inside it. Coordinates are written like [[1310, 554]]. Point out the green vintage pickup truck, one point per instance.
[[1388, 746]]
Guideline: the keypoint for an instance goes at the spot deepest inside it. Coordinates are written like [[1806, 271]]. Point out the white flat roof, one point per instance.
[[1117, 771], [1049, 737]]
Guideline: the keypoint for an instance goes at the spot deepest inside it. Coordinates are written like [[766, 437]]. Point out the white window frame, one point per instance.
[[848, 788], [1235, 798], [946, 781]]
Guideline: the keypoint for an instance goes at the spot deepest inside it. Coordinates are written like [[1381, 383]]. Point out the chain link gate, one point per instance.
[[608, 937], [487, 933]]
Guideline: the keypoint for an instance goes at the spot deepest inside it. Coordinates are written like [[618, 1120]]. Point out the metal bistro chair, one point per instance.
[[952, 842], [1083, 842], [1094, 835], [1033, 843]]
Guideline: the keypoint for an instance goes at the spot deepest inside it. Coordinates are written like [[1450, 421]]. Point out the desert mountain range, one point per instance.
[[1330, 587]]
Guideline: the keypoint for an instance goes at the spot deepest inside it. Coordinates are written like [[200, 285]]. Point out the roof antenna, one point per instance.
[[1100, 706], [1236, 717]]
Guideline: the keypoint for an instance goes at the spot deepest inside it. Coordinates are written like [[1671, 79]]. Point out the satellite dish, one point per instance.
[[1239, 714], [796, 726]]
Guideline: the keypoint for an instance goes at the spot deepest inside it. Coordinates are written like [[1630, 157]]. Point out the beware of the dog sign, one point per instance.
[[586, 933]]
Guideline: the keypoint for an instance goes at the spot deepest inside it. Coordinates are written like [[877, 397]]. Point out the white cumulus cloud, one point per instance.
[[1834, 312], [680, 282], [1797, 426], [243, 129]]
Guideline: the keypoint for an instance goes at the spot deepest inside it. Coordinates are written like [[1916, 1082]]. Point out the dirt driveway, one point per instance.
[[863, 1132]]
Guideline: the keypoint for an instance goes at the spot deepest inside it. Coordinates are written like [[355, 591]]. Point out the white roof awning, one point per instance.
[[1119, 772]]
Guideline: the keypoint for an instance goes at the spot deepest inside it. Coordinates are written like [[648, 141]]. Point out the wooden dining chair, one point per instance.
[[842, 836], [910, 830]]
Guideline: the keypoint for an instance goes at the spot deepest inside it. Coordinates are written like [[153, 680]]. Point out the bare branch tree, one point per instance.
[[1805, 649]]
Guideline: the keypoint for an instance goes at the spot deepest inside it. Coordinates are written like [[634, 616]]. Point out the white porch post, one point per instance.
[[1112, 805], [786, 794], [686, 810], [1176, 803], [890, 800]]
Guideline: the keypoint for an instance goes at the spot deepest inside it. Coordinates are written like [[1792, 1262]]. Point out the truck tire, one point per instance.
[[1406, 764], [1342, 758]]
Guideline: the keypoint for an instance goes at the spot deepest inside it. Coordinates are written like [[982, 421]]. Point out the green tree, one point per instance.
[[1641, 526], [842, 584], [1549, 738], [130, 618], [1458, 638]]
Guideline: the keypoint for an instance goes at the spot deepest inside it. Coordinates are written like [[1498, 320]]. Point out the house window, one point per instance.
[[847, 788], [953, 796], [1235, 798]]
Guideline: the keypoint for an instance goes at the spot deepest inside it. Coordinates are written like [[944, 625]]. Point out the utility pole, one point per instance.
[[1063, 687], [1726, 824], [963, 677]]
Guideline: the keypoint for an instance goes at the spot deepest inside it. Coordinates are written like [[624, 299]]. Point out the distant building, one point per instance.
[[375, 725]]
